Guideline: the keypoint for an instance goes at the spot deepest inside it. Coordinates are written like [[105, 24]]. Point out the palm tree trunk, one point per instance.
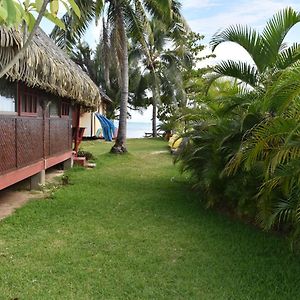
[[155, 100], [106, 60], [120, 144], [154, 114]]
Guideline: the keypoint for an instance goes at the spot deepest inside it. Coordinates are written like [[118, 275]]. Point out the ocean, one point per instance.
[[137, 129]]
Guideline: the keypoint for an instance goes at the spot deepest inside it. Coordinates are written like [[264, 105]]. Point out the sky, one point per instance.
[[208, 16]]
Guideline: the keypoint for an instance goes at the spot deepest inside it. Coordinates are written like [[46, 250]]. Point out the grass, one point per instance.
[[133, 229]]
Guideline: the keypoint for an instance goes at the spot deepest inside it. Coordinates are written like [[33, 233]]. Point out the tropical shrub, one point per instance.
[[243, 152], [274, 143], [215, 136]]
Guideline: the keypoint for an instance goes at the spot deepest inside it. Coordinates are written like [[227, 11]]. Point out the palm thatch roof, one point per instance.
[[46, 66]]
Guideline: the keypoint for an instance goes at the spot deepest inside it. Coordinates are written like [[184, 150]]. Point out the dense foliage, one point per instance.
[[243, 150]]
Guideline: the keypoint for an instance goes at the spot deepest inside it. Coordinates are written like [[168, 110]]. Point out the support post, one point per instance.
[[68, 164], [37, 180]]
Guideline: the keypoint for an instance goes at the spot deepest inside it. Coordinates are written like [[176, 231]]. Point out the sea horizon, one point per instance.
[[137, 129]]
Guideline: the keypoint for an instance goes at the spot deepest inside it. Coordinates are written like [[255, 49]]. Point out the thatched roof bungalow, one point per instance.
[[40, 102]]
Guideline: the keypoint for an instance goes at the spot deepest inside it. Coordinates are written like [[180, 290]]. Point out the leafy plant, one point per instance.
[[244, 143], [83, 153], [267, 49]]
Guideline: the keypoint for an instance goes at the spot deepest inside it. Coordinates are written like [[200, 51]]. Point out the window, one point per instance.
[[8, 96], [28, 101], [28, 104], [65, 109]]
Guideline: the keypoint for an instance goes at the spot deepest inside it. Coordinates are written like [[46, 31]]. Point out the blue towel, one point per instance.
[[108, 127]]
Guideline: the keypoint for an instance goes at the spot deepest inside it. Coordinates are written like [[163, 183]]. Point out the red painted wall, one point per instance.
[[32, 140]]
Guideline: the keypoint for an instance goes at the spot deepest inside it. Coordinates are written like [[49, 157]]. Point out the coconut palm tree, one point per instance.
[[123, 18], [163, 67], [267, 49], [107, 77]]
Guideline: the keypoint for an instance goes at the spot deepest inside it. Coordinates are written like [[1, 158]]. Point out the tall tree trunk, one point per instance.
[[155, 100], [120, 144], [154, 113], [106, 55]]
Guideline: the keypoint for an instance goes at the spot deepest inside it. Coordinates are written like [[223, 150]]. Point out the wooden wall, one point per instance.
[[25, 140]]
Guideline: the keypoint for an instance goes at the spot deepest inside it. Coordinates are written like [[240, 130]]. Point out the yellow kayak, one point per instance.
[[175, 141]]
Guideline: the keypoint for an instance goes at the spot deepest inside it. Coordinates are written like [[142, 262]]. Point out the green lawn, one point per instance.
[[133, 229]]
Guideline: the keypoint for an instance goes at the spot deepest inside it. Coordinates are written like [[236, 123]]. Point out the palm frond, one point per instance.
[[288, 56], [244, 36], [284, 90], [239, 70], [275, 31], [75, 26], [138, 25], [160, 9]]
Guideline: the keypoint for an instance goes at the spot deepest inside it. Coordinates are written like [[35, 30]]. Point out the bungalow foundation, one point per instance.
[[40, 102]]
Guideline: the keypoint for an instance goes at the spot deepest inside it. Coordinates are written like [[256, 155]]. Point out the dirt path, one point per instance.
[[10, 199]]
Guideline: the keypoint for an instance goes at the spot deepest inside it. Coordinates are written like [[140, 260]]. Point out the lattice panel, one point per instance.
[[7, 144], [70, 134], [30, 141], [59, 132]]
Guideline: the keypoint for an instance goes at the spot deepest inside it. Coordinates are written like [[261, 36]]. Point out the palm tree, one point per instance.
[[267, 49], [107, 77], [162, 67], [82, 55], [123, 18]]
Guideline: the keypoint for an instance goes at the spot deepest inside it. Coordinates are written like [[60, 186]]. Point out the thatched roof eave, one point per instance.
[[46, 66]]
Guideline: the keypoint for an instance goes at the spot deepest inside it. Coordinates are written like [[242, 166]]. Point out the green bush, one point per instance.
[[245, 157], [88, 155]]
